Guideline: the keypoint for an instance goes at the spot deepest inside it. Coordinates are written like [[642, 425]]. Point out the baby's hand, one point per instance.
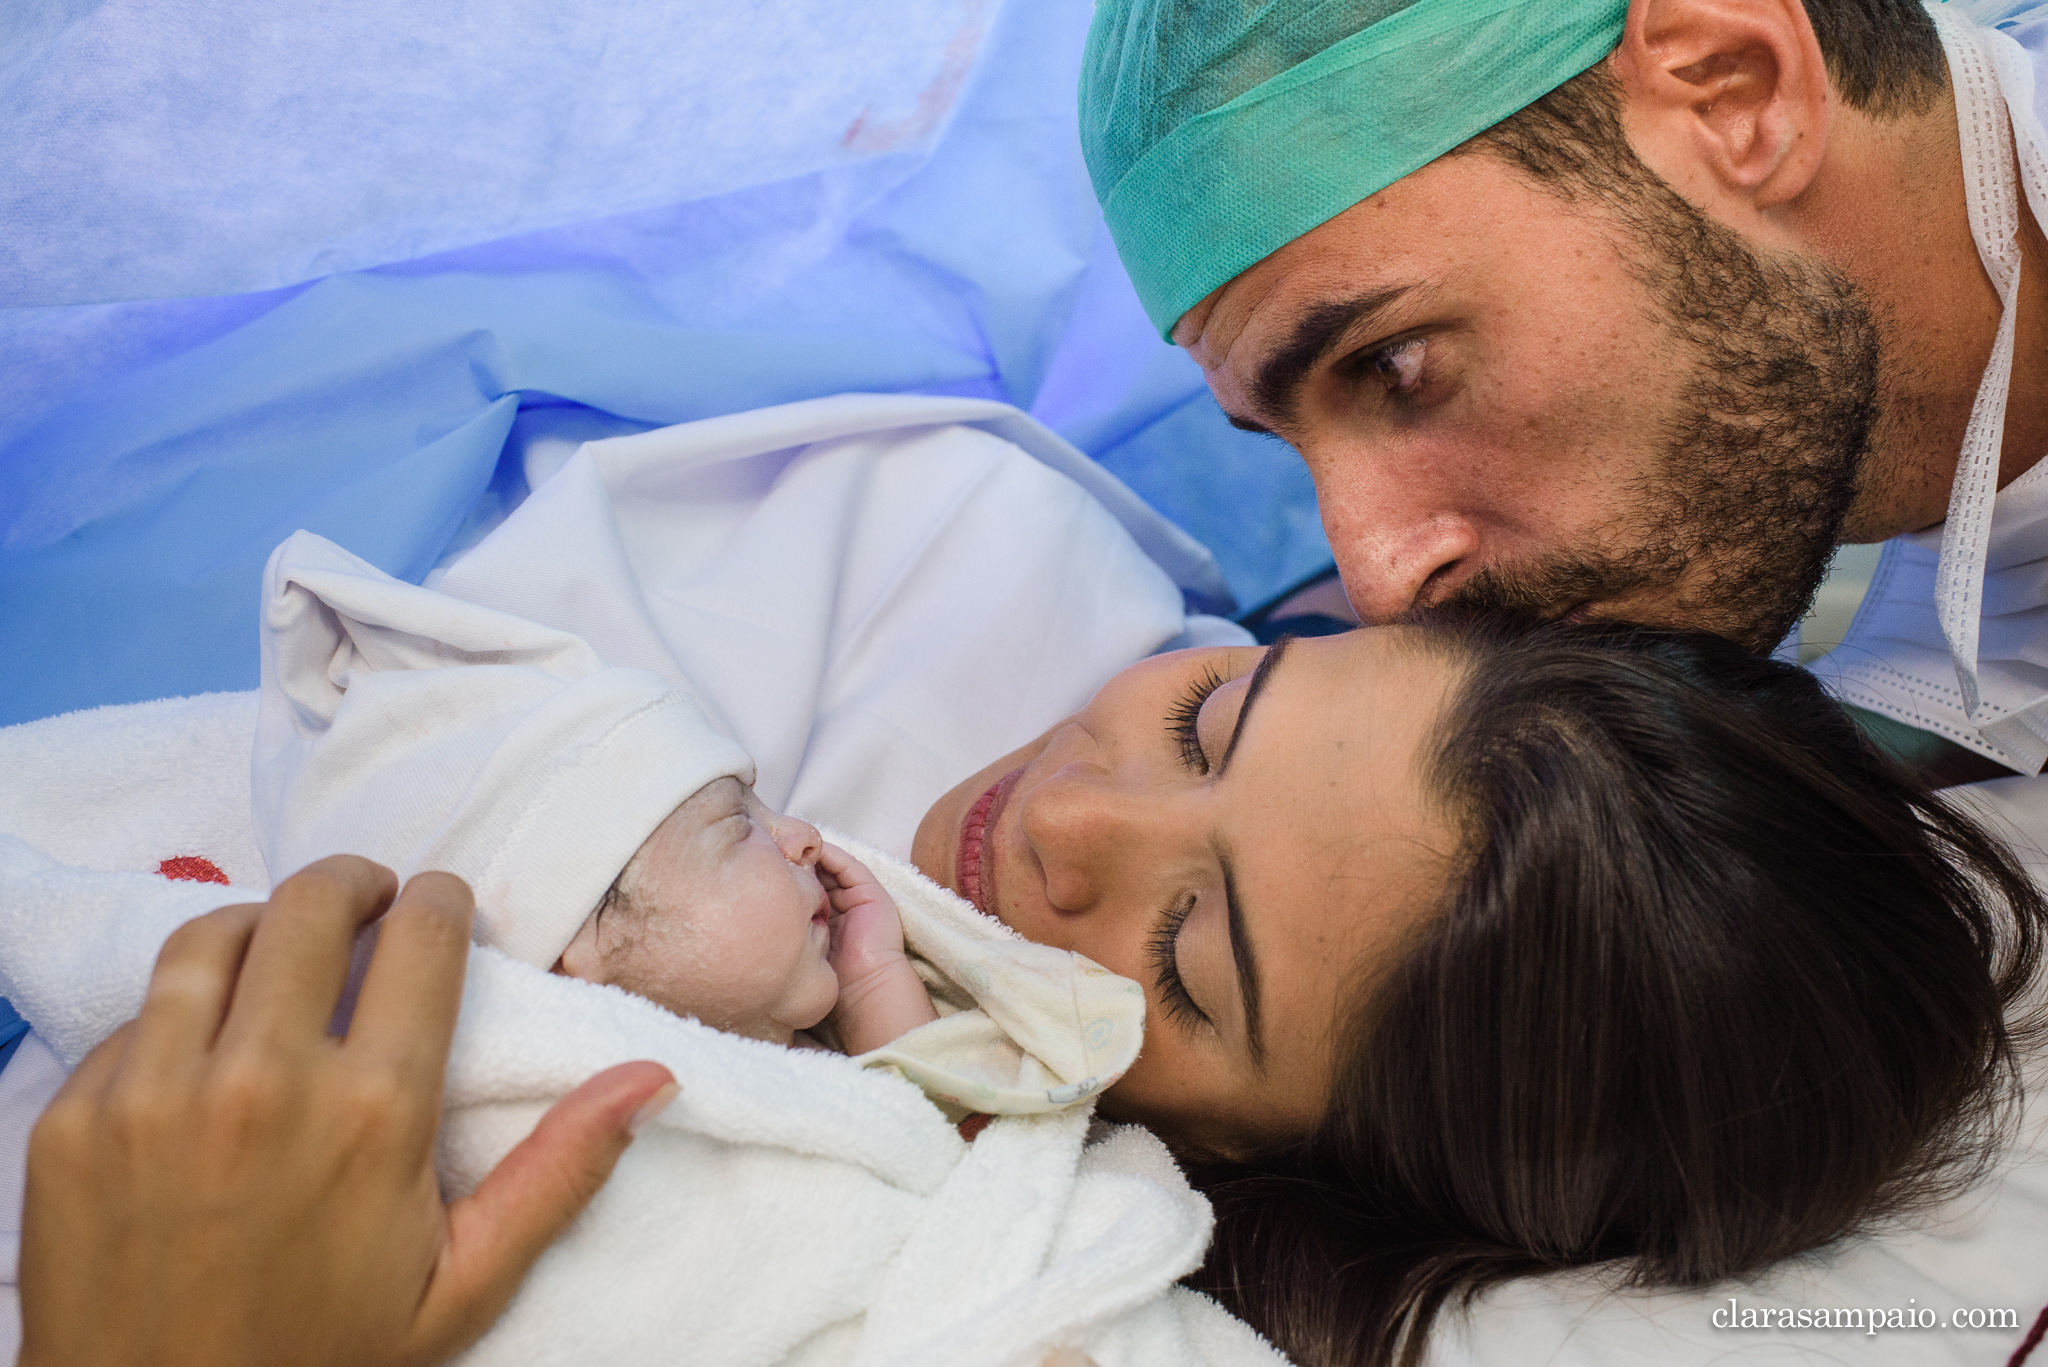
[[867, 934], [880, 996]]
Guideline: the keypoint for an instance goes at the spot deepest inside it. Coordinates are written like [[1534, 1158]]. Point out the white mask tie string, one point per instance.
[[1991, 192]]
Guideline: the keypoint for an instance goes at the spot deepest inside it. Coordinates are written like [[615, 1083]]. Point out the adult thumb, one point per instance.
[[496, 1232]]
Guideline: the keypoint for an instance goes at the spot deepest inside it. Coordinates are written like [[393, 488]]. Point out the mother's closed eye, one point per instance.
[[1198, 858]]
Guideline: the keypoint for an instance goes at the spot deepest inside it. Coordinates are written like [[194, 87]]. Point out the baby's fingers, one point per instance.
[[866, 933], [845, 899], [851, 884], [843, 867]]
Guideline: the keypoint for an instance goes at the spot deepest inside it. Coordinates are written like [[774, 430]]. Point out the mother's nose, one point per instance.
[[1079, 821]]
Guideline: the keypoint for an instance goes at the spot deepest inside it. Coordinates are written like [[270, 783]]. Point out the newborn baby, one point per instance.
[[746, 919], [611, 833]]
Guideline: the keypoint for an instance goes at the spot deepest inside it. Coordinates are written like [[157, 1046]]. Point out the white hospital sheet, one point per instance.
[[159, 150]]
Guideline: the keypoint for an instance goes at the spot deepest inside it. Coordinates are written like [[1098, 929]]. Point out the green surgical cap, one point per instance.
[[1218, 131]]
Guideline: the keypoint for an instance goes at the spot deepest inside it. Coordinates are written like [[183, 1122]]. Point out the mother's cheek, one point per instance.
[[1143, 1094], [932, 847]]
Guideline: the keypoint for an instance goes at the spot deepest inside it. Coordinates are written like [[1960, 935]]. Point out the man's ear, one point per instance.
[[1727, 100]]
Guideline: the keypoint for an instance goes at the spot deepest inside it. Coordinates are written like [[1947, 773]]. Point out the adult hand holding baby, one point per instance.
[[224, 1180]]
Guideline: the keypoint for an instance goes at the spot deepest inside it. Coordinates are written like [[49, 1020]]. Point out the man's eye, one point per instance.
[[1398, 367]]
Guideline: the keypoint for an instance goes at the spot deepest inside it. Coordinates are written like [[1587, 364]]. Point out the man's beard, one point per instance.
[[1761, 458]]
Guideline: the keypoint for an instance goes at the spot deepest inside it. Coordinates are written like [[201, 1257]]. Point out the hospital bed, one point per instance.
[[354, 267]]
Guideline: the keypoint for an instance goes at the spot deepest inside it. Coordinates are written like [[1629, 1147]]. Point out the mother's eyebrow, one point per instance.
[[1278, 379], [1247, 966], [1267, 664], [1240, 944]]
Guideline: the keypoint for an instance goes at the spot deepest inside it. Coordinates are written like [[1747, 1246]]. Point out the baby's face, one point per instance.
[[720, 915]]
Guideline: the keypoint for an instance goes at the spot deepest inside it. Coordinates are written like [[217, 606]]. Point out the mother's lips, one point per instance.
[[974, 861]]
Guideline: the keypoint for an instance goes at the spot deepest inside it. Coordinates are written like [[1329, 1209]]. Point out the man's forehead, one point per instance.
[[1289, 309], [1211, 330], [1434, 234], [1217, 132]]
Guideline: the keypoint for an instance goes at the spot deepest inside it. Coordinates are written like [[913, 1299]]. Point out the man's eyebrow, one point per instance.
[[1260, 675], [1278, 381], [1247, 966]]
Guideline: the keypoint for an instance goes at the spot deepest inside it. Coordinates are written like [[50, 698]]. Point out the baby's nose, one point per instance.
[[798, 839]]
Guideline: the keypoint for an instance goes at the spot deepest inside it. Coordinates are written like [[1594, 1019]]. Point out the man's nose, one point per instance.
[[1392, 559], [1078, 820], [798, 839]]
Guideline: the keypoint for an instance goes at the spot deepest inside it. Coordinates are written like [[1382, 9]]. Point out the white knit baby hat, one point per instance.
[[425, 732]]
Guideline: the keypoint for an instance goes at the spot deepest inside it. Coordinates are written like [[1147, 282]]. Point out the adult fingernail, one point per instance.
[[653, 1106]]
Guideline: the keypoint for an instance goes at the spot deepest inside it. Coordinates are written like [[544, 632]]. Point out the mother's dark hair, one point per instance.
[[1714, 983]]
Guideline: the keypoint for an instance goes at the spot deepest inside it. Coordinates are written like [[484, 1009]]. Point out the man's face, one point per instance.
[[1512, 398]]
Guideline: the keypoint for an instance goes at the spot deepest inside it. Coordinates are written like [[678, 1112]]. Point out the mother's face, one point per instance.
[[1244, 832]]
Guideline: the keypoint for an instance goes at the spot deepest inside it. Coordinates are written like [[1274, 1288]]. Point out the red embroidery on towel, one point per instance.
[[973, 1125], [2033, 1341], [191, 868]]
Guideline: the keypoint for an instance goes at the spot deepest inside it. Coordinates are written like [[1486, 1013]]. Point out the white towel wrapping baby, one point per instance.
[[790, 1207], [1022, 1027], [427, 732]]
